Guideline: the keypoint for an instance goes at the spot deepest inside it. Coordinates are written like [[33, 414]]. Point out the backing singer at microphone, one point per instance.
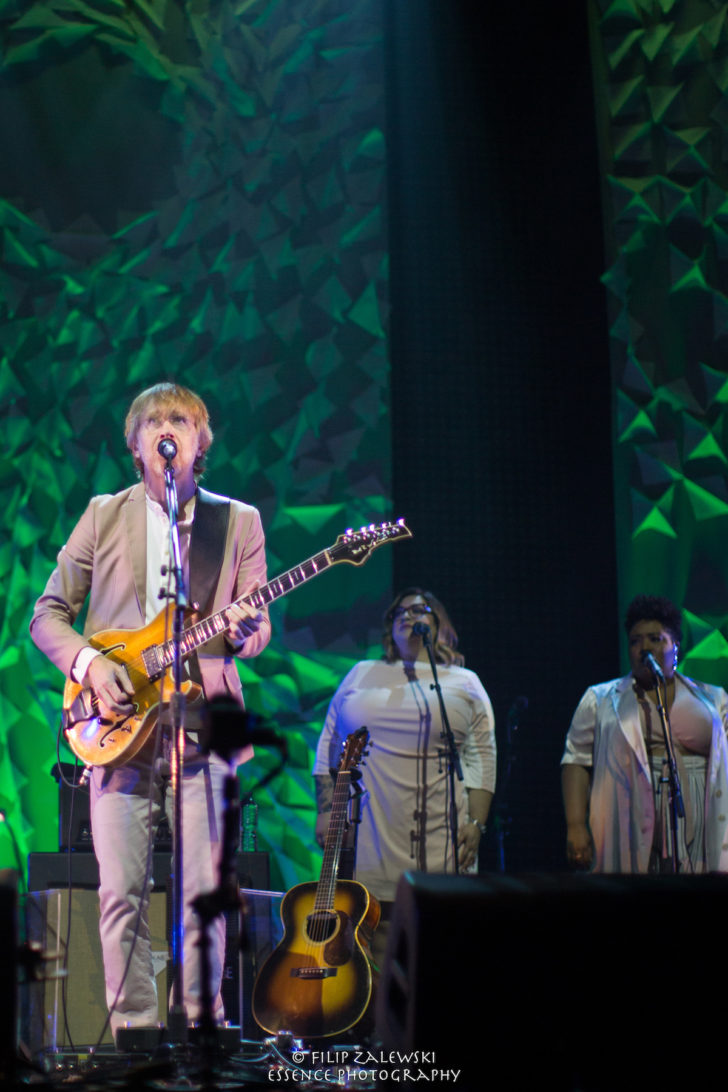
[[614, 764], [405, 812]]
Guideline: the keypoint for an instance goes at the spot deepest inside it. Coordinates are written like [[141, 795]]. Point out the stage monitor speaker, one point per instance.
[[8, 975], [71, 1011], [584, 981]]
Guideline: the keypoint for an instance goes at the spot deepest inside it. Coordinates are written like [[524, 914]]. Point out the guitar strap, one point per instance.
[[207, 550]]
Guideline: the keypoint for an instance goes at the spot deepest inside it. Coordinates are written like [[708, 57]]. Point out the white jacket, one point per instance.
[[606, 737]]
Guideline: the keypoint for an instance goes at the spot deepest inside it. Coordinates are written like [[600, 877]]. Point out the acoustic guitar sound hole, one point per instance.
[[321, 925]]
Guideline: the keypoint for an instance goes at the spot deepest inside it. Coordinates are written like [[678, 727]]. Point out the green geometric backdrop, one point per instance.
[[194, 189], [661, 83]]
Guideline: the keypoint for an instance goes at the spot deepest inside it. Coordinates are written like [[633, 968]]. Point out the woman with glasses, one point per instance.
[[404, 823]]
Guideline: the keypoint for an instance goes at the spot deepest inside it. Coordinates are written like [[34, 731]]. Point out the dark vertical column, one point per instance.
[[501, 396]]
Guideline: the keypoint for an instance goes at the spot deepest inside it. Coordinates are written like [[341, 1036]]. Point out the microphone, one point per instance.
[[647, 658], [421, 629], [167, 449]]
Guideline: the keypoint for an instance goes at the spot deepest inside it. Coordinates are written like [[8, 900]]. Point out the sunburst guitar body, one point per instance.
[[319, 980]]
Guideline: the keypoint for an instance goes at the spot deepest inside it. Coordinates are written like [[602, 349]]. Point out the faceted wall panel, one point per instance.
[[661, 80], [193, 189]]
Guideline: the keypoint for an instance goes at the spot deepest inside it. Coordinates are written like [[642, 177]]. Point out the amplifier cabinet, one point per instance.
[[69, 1012], [67, 1008]]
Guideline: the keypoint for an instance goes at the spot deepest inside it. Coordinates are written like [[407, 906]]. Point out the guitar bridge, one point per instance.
[[84, 708], [313, 972]]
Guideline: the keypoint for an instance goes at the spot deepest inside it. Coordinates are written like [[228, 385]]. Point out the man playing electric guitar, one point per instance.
[[113, 559]]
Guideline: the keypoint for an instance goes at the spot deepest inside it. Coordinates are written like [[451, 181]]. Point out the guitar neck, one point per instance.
[[200, 633], [353, 546], [326, 888]]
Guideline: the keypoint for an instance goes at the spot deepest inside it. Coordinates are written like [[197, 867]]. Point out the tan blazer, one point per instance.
[[104, 563]]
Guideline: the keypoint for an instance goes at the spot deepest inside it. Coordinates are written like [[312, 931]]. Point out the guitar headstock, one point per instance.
[[356, 546], [354, 749]]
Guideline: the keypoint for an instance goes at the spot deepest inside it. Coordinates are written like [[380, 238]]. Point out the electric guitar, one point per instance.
[[318, 981], [147, 654]]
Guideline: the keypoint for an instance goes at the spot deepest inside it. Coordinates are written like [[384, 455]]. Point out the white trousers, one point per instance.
[[120, 824]]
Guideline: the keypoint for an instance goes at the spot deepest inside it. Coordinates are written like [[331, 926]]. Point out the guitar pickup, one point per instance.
[[152, 662], [313, 972]]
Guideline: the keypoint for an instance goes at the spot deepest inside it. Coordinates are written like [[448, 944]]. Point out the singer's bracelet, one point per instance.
[[481, 826]]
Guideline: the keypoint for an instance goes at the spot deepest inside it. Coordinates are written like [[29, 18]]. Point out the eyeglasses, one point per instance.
[[418, 609]]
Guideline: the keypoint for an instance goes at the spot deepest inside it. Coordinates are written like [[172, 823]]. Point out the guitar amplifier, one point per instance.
[[74, 814], [250, 938], [56, 870], [67, 1007]]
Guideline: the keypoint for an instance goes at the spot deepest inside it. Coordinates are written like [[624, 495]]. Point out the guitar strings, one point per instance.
[[324, 900], [210, 627]]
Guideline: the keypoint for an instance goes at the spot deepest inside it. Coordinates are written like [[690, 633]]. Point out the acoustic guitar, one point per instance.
[[147, 654], [318, 982]]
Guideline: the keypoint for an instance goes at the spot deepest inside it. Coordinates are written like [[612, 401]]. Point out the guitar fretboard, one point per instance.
[[200, 633], [326, 888], [353, 546]]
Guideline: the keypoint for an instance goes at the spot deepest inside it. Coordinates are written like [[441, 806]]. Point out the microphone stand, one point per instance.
[[211, 905], [452, 757], [676, 805], [503, 817], [226, 727], [177, 1014]]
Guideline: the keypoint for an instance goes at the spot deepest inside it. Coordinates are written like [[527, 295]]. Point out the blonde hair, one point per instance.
[[446, 639], [166, 395]]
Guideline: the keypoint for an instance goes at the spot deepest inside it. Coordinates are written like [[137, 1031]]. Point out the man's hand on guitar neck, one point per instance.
[[243, 621], [111, 685]]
